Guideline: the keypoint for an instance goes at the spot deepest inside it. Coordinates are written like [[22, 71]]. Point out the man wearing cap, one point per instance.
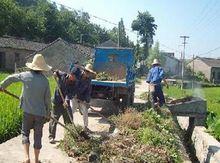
[[67, 86], [83, 93], [155, 76], [35, 102]]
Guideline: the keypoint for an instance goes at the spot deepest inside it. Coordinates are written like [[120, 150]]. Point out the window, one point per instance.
[[2, 60], [17, 57]]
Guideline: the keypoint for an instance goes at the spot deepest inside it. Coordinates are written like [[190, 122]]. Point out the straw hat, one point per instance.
[[88, 68], [156, 62], [38, 64]]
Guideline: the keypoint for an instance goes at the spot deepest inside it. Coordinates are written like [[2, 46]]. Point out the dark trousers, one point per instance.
[[32, 122], [57, 111], [158, 95]]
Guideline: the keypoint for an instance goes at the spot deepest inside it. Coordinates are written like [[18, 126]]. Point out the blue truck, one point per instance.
[[119, 64]]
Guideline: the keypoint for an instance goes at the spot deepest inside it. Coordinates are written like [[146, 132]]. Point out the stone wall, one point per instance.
[[206, 146], [10, 58], [60, 55]]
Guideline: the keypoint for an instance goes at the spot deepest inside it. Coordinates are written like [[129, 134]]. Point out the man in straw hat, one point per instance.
[[155, 76], [83, 93], [35, 102]]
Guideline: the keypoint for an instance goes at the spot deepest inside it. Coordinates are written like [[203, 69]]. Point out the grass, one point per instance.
[[10, 113], [211, 95], [143, 137]]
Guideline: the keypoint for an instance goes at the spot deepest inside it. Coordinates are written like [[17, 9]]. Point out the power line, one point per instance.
[[94, 16], [112, 23], [206, 13], [210, 51], [169, 48]]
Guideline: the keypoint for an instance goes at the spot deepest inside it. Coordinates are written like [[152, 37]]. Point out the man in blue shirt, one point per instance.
[[155, 76], [67, 85]]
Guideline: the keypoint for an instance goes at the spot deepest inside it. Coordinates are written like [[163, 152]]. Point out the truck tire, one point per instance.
[[132, 99], [126, 100]]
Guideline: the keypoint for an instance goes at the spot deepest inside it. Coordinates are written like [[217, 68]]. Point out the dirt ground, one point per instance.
[[12, 150]]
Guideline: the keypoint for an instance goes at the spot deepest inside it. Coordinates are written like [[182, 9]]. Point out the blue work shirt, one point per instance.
[[155, 75], [75, 70], [68, 88], [84, 89]]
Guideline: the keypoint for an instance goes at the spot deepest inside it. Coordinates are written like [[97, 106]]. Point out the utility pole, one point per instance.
[[193, 72], [118, 34], [183, 56]]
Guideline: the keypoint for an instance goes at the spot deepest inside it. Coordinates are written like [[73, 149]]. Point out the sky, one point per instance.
[[198, 19]]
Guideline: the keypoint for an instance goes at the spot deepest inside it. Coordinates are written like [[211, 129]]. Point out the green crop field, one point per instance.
[[10, 113], [212, 96]]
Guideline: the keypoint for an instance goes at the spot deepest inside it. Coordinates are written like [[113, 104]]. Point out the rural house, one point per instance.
[[172, 65], [13, 51], [60, 54], [210, 67]]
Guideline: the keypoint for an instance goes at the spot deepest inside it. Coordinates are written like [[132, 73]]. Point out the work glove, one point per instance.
[[55, 73]]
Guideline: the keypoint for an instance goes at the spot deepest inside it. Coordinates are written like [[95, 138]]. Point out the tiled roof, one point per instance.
[[81, 50], [212, 62], [108, 43], [10, 42]]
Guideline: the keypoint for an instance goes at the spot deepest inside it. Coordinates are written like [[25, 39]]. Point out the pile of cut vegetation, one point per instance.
[[143, 137], [103, 76]]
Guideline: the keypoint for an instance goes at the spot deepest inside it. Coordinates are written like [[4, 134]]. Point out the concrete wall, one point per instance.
[[206, 146], [172, 66], [10, 57], [201, 66]]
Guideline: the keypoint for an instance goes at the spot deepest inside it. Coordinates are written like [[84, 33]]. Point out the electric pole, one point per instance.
[[183, 56]]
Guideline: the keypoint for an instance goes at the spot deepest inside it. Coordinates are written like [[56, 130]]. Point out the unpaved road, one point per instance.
[[11, 151]]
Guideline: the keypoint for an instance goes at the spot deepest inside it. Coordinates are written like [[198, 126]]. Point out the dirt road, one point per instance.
[[12, 150]]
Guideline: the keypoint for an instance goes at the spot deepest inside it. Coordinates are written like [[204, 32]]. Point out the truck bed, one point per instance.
[[110, 83]]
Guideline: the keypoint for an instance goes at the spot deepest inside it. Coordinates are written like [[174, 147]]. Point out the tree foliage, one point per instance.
[[154, 53], [145, 25], [40, 20]]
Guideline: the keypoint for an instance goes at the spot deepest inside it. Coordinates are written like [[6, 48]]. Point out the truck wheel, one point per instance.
[[132, 99], [126, 100]]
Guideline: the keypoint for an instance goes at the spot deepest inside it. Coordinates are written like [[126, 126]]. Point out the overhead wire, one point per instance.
[[205, 14], [112, 23]]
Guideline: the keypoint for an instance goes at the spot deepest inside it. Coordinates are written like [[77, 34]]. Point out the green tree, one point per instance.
[[145, 26], [11, 19], [123, 39], [154, 53], [27, 3]]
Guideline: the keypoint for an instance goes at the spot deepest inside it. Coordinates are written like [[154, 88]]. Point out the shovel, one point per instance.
[[82, 133], [16, 97]]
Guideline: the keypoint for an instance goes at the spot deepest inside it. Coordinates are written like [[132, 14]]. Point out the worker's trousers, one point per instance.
[[83, 108], [58, 110]]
